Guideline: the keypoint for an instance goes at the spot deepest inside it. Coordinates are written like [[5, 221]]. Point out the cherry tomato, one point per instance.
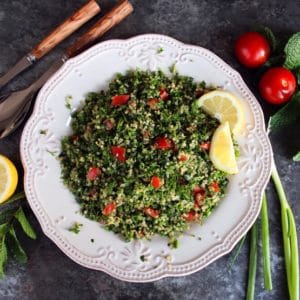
[[119, 153], [93, 173], [162, 143], [151, 212], [252, 49], [156, 182], [163, 94], [277, 85], [191, 216], [119, 100], [109, 208]]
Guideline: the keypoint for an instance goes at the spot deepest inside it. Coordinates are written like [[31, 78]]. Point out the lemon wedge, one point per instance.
[[224, 106], [222, 150], [8, 178]]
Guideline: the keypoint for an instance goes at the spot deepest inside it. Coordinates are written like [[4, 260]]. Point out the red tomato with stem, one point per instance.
[[277, 85], [252, 49]]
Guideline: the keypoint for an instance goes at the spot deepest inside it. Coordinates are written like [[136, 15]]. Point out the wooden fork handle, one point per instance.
[[81, 16], [109, 20]]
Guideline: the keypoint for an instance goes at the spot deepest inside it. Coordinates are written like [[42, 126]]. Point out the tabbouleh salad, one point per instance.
[[137, 161]]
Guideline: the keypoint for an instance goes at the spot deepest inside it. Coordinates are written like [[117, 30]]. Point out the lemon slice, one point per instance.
[[222, 150], [224, 106], [8, 178]]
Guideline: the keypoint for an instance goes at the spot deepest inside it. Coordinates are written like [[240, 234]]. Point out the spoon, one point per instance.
[[15, 106]]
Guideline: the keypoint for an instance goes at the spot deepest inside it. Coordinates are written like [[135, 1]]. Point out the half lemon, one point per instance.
[[8, 178]]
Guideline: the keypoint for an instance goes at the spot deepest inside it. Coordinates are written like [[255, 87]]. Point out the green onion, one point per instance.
[[266, 244], [290, 243], [252, 263]]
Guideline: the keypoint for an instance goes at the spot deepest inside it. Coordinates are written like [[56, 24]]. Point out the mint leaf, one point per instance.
[[3, 229], [292, 52], [286, 115], [20, 216], [268, 34], [3, 256], [297, 157], [16, 248]]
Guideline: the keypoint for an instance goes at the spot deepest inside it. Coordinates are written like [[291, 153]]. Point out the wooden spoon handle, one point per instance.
[[109, 20], [81, 16]]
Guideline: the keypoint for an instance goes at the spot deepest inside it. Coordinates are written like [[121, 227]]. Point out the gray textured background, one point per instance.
[[214, 24]]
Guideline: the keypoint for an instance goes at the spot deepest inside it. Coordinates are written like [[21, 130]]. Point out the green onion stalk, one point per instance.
[[252, 263], [265, 238], [290, 242]]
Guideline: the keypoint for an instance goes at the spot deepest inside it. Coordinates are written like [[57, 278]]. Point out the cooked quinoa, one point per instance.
[[137, 161]]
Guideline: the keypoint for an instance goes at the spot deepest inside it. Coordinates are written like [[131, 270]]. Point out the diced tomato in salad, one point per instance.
[[93, 173], [109, 208], [156, 182], [163, 143], [182, 157], [205, 145], [119, 152], [119, 100], [154, 213], [214, 186], [152, 102], [191, 216], [163, 94]]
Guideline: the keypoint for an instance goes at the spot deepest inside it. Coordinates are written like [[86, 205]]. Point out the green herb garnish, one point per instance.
[[9, 243], [75, 227], [292, 52], [68, 102], [160, 50], [43, 132], [296, 157]]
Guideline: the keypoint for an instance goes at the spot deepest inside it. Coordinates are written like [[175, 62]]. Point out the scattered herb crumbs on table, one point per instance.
[[134, 161]]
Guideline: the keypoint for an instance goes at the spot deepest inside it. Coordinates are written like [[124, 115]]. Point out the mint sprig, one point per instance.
[[268, 34], [287, 114], [292, 52], [9, 243], [296, 157]]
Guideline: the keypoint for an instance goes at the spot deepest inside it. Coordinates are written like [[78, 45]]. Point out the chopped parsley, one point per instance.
[[75, 227], [68, 102], [160, 50], [43, 132], [142, 257], [134, 161], [52, 153]]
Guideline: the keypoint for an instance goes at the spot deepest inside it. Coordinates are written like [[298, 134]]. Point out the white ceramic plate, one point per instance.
[[56, 208]]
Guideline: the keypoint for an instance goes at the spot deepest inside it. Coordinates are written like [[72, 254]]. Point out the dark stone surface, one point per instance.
[[213, 24]]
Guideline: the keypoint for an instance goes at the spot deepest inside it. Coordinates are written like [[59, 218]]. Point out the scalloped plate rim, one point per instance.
[[52, 234]]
